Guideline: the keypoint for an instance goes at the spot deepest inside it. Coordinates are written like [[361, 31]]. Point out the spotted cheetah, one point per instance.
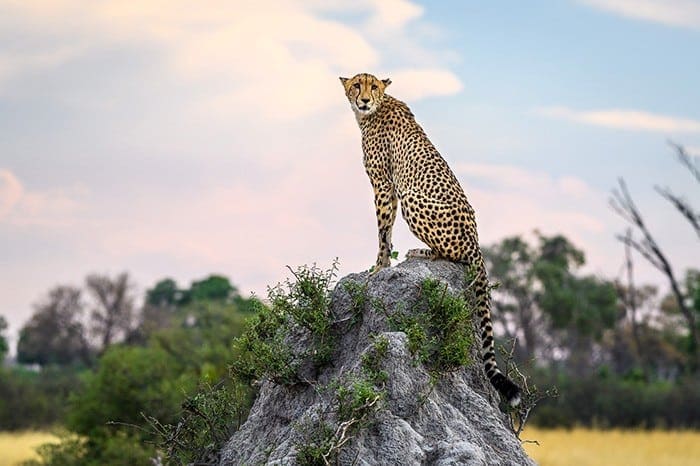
[[404, 166]]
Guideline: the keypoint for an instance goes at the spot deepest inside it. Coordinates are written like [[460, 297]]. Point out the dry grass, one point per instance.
[[580, 447], [585, 447], [19, 446]]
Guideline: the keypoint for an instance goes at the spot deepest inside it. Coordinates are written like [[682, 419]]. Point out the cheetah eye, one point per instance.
[[374, 87], [356, 85]]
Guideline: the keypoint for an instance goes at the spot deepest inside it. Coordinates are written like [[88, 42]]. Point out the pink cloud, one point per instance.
[[514, 201], [684, 13], [10, 192], [633, 120], [48, 208], [277, 59]]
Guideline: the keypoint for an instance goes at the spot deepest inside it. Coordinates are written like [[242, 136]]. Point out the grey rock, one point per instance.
[[454, 422]]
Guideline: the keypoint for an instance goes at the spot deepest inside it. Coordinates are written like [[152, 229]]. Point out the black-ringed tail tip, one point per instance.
[[508, 390]]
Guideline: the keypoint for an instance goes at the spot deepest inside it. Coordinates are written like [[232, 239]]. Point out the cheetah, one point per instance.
[[404, 166]]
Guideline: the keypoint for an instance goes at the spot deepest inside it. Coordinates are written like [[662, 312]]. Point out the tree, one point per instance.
[[154, 379], [112, 315], [55, 333], [690, 288], [682, 205], [623, 204], [579, 309], [589, 304], [129, 381], [4, 348], [510, 263], [165, 294], [212, 288], [541, 301]]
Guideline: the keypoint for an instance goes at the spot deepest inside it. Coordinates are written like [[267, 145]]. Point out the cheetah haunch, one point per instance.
[[404, 166]]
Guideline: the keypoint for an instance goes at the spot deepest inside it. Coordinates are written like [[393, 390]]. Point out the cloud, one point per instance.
[[380, 15], [10, 192], [632, 120], [12, 64], [47, 208], [212, 136], [321, 209], [311, 216], [417, 84], [681, 13], [275, 59], [511, 200], [392, 14]]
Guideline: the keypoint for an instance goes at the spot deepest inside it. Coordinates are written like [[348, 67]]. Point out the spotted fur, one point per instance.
[[404, 166]]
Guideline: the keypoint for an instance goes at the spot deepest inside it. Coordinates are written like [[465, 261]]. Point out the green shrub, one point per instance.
[[263, 350], [129, 381], [120, 448], [36, 400], [358, 298], [356, 400], [596, 401], [318, 445], [208, 420], [438, 327]]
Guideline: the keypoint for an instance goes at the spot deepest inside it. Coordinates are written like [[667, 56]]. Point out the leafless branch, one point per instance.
[[113, 308], [643, 249], [682, 206], [623, 204], [687, 160], [530, 395]]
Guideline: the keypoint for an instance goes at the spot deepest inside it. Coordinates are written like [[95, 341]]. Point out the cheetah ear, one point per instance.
[[344, 80], [386, 82]]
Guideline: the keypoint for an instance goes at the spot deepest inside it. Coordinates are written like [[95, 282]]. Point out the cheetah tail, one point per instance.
[[509, 391]]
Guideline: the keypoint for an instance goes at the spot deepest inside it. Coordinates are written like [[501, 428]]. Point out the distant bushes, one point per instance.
[[35, 400], [605, 401]]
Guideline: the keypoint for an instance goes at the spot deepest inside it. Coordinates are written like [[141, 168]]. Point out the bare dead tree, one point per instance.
[[685, 158], [682, 206], [631, 292], [113, 311], [622, 203]]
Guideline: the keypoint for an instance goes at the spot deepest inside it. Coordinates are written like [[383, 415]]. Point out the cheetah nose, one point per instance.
[[365, 100]]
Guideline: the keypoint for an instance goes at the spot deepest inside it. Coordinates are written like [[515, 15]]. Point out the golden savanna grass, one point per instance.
[[20, 446], [586, 447], [577, 447]]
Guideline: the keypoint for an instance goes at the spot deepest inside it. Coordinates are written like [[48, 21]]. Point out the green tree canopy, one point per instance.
[[165, 294], [542, 300], [4, 347], [212, 288]]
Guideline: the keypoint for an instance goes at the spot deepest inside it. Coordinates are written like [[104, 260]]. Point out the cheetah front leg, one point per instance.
[[385, 205]]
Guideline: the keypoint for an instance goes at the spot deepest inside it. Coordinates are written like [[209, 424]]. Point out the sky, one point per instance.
[[177, 139]]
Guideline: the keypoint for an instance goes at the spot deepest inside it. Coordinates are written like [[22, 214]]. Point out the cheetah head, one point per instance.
[[365, 92]]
